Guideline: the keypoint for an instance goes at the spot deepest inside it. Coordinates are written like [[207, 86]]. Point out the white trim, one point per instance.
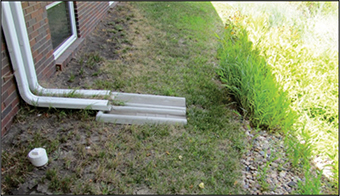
[[52, 4], [59, 51], [111, 2]]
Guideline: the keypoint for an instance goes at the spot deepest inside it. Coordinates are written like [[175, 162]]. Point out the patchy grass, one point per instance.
[[170, 51]]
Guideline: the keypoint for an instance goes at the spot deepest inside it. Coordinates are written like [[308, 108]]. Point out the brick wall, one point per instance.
[[9, 95], [88, 14], [40, 38]]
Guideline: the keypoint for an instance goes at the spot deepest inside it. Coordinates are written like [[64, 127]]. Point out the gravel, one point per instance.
[[267, 169]]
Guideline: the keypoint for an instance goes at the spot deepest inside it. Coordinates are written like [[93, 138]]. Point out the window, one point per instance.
[[62, 25]]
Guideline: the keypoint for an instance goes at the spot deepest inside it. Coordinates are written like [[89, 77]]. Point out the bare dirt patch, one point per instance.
[[110, 39]]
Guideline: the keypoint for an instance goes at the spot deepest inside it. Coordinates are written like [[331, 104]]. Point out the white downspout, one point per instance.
[[21, 77], [25, 48]]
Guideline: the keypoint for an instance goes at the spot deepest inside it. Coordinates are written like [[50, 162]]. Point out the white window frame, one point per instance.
[[59, 51]]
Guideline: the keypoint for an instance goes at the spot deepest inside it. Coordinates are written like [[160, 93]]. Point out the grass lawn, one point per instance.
[[170, 49], [185, 49]]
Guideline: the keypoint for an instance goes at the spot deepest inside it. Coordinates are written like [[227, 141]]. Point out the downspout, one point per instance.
[[25, 49], [21, 77]]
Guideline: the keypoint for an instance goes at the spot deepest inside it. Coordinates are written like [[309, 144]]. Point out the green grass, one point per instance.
[[280, 61], [249, 79], [174, 54]]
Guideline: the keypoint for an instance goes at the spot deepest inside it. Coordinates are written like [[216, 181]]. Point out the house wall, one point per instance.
[[9, 93], [40, 38], [87, 15]]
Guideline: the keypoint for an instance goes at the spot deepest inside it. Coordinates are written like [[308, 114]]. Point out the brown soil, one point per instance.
[[109, 38]]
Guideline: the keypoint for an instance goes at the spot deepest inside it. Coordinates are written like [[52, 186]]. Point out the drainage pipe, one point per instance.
[[132, 119], [19, 22], [21, 77]]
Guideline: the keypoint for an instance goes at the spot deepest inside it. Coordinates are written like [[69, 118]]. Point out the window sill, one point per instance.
[[67, 55]]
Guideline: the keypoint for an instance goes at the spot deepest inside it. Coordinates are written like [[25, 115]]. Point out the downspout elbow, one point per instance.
[[21, 76], [28, 62]]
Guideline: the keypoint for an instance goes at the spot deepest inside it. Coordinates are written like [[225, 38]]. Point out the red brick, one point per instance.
[[7, 77], [8, 120], [32, 42], [10, 89], [24, 4], [36, 27], [15, 101], [6, 69], [7, 101], [89, 14], [29, 9], [33, 34], [38, 5]]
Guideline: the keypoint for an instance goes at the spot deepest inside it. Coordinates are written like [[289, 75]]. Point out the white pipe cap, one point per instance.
[[38, 157]]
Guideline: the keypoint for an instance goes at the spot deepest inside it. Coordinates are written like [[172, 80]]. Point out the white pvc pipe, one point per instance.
[[149, 99], [131, 119], [21, 77], [137, 110], [19, 22], [165, 107]]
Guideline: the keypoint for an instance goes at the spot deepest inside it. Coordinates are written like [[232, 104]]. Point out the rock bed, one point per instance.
[[266, 166], [267, 169]]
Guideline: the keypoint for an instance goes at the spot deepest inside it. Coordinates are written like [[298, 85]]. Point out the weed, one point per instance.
[[86, 113], [262, 177], [117, 102], [118, 27], [51, 173], [93, 59], [81, 71], [103, 84], [58, 183], [81, 61], [312, 184], [112, 30], [72, 77], [105, 188], [62, 114], [97, 73]]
